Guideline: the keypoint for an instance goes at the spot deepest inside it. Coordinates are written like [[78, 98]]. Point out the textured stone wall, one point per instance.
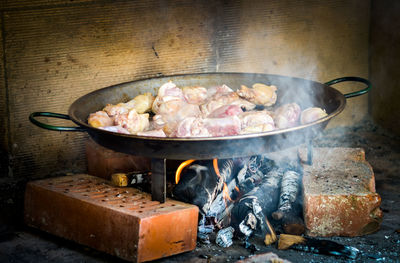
[[385, 64]]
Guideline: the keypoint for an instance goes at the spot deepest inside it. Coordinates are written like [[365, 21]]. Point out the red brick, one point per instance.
[[103, 162], [120, 221], [339, 194]]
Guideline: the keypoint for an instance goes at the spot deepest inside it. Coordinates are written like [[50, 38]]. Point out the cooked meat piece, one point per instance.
[[191, 127], [225, 111], [312, 114], [222, 99], [133, 121], [167, 93], [100, 119], [142, 103], [223, 126], [169, 118], [256, 121], [117, 129], [152, 133], [287, 115], [198, 127], [195, 95], [260, 94], [120, 108]]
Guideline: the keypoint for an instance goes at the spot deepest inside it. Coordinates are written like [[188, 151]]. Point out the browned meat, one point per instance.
[[100, 119], [259, 94]]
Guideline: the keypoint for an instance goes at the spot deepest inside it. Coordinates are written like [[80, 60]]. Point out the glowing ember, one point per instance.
[[180, 168]]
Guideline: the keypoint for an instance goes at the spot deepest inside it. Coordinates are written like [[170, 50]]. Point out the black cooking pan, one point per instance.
[[304, 92]]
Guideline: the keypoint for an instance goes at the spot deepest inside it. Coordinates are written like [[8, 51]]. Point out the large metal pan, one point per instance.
[[304, 92]]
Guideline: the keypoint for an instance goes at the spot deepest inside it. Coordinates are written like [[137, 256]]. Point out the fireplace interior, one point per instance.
[[64, 198]]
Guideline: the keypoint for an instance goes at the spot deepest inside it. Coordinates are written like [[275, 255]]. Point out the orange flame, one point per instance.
[[180, 168], [226, 193], [216, 169]]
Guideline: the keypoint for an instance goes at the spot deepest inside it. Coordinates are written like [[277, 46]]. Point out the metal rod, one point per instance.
[[158, 180]]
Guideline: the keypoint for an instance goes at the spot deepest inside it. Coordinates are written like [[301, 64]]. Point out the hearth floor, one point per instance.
[[382, 149]]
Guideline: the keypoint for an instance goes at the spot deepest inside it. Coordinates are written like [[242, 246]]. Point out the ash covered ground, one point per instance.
[[22, 244]]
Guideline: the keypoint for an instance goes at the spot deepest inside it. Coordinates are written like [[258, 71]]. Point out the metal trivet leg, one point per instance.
[[158, 180], [309, 160]]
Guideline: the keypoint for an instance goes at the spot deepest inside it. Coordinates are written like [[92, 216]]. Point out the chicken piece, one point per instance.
[[133, 121], [167, 93], [197, 127], [171, 116], [287, 115], [142, 103], [152, 133], [260, 94], [191, 127], [171, 107], [117, 129], [256, 121], [312, 114], [225, 111], [222, 99], [223, 126], [114, 110], [218, 89], [195, 95], [100, 119]]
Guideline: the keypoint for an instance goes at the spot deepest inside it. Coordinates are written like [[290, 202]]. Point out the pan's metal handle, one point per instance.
[[52, 127], [357, 79]]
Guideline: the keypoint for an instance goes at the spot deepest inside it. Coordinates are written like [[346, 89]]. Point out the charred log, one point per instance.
[[249, 214], [289, 211]]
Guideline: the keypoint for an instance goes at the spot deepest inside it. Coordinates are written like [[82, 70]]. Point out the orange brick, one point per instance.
[[120, 221], [103, 162], [339, 194]]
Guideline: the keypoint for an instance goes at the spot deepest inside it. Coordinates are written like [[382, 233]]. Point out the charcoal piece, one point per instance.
[[260, 166], [204, 229], [224, 237]]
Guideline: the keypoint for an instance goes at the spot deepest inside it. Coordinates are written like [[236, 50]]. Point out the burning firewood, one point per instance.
[[249, 214], [289, 208], [318, 246], [198, 186]]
